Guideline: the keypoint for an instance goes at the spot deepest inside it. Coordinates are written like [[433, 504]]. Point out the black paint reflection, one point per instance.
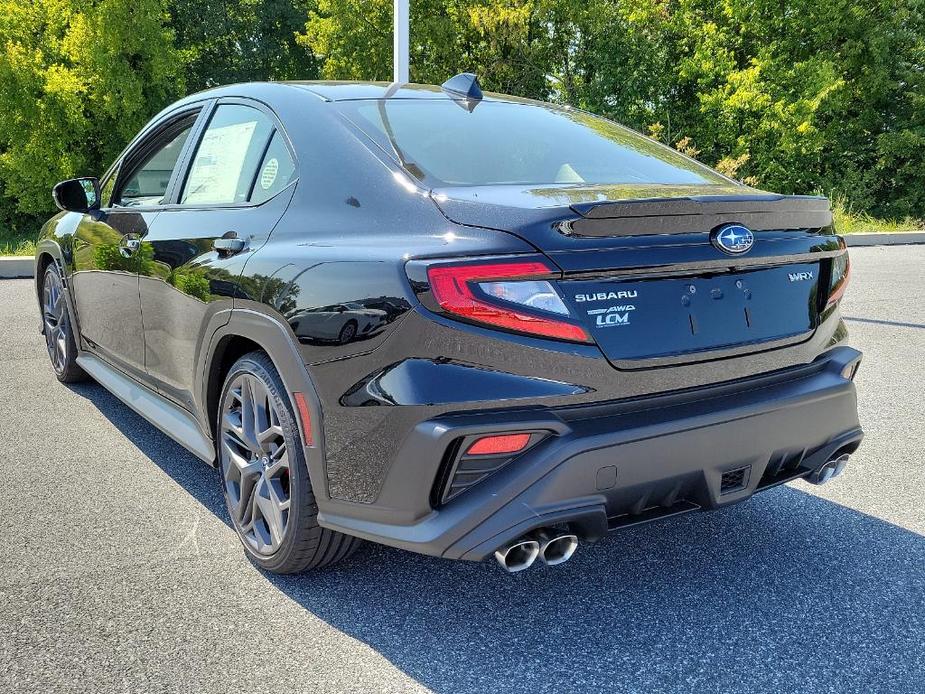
[[350, 321]]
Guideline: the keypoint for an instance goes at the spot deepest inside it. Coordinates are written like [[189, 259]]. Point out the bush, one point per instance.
[[795, 97]]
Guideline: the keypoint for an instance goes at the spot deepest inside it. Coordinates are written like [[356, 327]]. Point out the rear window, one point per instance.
[[442, 142]]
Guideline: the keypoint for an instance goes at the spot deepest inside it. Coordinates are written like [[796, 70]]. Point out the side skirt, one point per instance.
[[178, 424]]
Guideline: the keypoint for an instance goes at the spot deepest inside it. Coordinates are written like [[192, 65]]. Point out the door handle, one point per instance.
[[129, 245], [229, 244]]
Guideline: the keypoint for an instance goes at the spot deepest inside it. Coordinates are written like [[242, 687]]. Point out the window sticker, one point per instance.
[[217, 169], [268, 175]]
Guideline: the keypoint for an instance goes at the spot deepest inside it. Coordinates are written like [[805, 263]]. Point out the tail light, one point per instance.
[[513, 295], [841, 274]]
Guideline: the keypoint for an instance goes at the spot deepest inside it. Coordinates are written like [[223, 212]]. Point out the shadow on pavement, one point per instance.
[[787, 592], [877, 321]]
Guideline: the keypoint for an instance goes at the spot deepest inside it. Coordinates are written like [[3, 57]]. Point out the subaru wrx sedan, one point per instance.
[[463, 324]]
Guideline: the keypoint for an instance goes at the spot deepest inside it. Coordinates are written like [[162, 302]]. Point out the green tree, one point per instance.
[[77, 80], [227, 41], [503, 41], [804, 96], [790, 95]]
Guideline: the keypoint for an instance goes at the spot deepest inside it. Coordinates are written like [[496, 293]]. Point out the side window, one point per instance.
[[227, 157], [276, 171], [147, 184]]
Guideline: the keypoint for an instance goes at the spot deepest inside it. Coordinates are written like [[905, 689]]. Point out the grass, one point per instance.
[[847, 221], [16, 242]]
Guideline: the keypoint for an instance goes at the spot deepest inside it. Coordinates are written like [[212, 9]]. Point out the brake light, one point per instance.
[[490, 293], [499, 444], [838, 291]]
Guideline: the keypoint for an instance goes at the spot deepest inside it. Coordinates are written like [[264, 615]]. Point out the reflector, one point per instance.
[[306, 417], [499, 444]]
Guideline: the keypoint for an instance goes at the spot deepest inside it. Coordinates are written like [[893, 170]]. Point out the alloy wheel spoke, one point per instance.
[[251, 413], [234, 432], [268, 435], [55, 318], [255, 464], [62, 348], [268, 503]]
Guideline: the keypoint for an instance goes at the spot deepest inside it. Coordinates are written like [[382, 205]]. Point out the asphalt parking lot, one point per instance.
[[118, 572]]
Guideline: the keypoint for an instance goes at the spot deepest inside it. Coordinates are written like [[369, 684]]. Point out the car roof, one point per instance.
[[348, 91]]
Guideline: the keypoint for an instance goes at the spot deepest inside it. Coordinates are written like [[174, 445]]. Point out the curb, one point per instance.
[[897, 238], [16, 266]]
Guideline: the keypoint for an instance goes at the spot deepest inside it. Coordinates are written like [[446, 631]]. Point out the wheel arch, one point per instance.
[[49, 252], [250, 329]]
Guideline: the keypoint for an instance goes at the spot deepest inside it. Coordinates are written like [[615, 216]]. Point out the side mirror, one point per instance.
[[77, 195]]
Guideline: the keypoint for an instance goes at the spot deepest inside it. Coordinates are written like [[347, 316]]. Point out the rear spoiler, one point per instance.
[[700, 213]]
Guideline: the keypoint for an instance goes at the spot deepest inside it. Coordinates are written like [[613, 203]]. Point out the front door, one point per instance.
[[107, 252], [236, 188]]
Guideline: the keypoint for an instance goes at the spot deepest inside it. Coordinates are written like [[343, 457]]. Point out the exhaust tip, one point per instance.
[[832, 469], [558, 549], [841, 462], [518, 556]]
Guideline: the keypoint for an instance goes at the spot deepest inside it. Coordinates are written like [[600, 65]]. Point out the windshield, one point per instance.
[[441, 142]]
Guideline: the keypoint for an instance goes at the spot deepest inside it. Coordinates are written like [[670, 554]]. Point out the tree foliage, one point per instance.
[[77, 80], [791, 95], [227, 41]]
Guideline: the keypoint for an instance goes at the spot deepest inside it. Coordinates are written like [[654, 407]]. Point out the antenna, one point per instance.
[[465, 88]]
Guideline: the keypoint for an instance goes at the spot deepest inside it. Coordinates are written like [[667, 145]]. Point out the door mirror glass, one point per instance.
[[77, 195]]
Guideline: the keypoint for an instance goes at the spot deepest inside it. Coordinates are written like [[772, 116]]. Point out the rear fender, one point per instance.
[[275, 337]]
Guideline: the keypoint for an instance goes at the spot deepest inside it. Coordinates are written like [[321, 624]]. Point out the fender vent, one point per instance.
[[734, 480]]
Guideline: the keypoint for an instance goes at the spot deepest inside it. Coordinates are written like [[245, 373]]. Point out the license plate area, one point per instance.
[[662, 317]]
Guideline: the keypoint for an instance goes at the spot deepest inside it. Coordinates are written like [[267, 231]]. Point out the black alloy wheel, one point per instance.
[[57, 326], [265, 477]]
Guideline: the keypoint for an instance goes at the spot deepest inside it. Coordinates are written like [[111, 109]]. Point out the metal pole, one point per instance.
[[400, 45]]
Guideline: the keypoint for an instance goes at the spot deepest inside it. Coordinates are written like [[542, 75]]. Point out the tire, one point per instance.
[[264, 476], [59, 328], [348, 332]]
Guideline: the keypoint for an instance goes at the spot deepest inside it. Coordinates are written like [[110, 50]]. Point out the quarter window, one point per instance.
[[277, 170], [228, 156]]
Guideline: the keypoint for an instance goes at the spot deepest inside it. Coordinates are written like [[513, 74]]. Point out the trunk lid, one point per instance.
[[644, 272]]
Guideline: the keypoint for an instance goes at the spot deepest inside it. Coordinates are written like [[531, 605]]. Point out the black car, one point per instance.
[[457, 323]]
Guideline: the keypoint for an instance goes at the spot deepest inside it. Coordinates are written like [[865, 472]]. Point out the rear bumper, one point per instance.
[[608, 466]]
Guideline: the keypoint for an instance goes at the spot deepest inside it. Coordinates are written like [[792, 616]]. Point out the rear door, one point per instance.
[[106, 255], [236, 184]]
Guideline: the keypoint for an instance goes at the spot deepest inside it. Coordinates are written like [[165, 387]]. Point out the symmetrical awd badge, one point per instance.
[[733, 239]]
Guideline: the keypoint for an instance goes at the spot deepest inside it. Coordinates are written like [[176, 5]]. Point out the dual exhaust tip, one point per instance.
[[832, 469], [552, 547]]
